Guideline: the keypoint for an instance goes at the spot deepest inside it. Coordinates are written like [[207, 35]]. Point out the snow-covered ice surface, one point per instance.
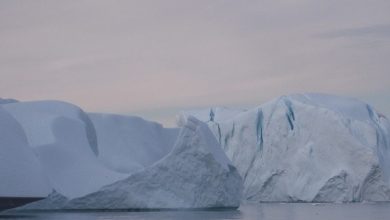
[[195, 174], [127, 144], [309, 147], [64, 140], [21, 174]]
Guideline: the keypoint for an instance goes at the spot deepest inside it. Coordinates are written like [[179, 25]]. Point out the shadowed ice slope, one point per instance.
[[21, 174], [64, 140], [127, 144]]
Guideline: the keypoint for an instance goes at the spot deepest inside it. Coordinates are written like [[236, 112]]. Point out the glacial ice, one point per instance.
[[64, 140], [21, 174], [309, 147], [195, 174], [128, 144], [302, 147]]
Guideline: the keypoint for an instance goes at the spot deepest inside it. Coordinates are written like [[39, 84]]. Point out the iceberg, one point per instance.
[[21, 174], [195, 174], [127, 144], [64, 140], [309, 148], [295, 148]]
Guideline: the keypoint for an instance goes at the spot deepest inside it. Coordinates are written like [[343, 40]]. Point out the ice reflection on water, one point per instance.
[[379, 211]]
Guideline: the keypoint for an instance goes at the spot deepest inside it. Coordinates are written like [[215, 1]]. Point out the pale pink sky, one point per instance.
[[155, 58]]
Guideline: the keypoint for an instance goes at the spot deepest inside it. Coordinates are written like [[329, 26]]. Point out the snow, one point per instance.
[[21, 174], [347, 107], [195, 174], [64, 140], [128, 144], [309, 147]]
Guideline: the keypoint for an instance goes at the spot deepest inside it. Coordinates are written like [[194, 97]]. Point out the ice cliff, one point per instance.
[[310, 148]]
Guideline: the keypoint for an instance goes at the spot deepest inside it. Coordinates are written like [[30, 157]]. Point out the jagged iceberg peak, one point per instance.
[[195, 133], [309, 147], [195, 174]]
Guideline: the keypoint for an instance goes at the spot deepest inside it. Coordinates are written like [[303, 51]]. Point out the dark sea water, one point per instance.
[[273, 211]]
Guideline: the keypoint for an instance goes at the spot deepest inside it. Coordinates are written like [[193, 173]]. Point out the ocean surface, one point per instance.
[[269, 211]]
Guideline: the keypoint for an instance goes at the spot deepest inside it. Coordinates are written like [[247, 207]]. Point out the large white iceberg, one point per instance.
[[21, 174], [195, 174], [127, 144], [311, 148], [63, 138]]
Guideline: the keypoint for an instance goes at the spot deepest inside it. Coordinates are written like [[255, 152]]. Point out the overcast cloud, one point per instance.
[[154, 58]]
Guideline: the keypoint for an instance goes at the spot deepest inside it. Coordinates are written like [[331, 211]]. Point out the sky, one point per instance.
[[156, 58]]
